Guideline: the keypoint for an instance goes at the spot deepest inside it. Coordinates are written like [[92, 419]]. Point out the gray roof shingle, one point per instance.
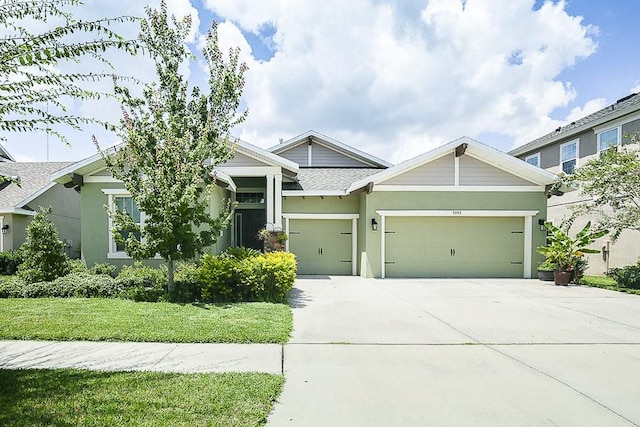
[[330, 179], [33, 176], [629, 104]]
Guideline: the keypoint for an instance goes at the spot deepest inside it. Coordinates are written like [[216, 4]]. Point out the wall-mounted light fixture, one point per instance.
[[374, 224], [5, 229], [541, 224]]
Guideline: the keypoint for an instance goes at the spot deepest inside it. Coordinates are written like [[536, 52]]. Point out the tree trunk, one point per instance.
[[172, 285]]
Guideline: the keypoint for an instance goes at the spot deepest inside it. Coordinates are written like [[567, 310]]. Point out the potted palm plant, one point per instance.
[[566, 252]]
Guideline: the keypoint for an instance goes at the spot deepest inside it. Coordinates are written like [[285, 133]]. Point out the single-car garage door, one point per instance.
[[454, 247], [321, 246]]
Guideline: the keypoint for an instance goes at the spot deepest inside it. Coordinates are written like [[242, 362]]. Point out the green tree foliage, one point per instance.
[[612, 183], [30, 83], [43, 251], [172, 140]]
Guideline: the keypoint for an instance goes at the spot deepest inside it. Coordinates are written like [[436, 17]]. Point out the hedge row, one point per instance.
[[230, 277]]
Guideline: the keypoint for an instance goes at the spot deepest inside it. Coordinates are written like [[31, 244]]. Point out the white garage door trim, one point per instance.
[[527, 215], [354, 230]]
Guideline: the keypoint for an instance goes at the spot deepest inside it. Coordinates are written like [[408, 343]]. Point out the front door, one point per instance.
[[247, 223]]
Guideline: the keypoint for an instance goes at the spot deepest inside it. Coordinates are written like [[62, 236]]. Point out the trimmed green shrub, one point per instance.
[[77, 266], [43, 251], [626, 277], [187, 283], [104, 268], [278, 274], [11, 287], [217, 279], [264, 277], [141, 275], [74, 285], [10, 261]]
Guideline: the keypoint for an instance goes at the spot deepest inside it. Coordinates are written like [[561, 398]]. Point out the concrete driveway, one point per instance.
[[464, 352]]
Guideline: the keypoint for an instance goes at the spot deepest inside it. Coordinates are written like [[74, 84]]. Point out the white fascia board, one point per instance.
[[262, 155], [455, 213], [224, 177], [344, 148], [327, 193], [83, 166], [462, 188], [17, 211], [238, 171]]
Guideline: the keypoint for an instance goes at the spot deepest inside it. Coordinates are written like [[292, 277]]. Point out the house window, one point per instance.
[[121, 200], [533, 159], [609, 138], [256, 198], [125, 204], [569, 156]]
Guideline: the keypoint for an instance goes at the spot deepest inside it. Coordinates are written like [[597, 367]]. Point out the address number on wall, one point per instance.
[[456, 212]]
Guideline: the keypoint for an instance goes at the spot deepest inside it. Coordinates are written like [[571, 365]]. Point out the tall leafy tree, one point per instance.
[[612, 184], [33, 91], [171, 141]]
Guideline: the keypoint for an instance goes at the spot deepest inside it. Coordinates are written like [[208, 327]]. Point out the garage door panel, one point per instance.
[[454, 247], [321, 246]]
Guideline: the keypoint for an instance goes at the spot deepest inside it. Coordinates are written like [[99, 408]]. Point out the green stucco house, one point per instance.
[[27, 186], [462, 210]]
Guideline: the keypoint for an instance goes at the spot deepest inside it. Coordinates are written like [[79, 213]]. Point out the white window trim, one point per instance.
[[532, 156], [574, 141], [618, 128], [112, 252]]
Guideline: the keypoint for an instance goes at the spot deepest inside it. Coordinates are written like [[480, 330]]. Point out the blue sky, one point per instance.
[[395, 77]]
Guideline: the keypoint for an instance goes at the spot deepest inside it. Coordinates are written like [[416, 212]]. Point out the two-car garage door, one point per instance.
[[454, 246]]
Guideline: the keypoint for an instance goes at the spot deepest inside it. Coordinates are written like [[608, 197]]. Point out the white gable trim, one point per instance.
[[475, 149], [264, 156], [328, 142]]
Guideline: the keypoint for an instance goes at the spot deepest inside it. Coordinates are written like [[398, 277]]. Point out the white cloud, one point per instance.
[[390, 77], [589, 107], [397, 78]]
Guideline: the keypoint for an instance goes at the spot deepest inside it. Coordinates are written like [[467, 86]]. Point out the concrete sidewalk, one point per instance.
[[121, 356]]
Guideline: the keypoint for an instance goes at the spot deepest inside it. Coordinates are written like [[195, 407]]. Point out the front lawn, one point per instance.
[[98, 319], [65, 397], [606, 283]]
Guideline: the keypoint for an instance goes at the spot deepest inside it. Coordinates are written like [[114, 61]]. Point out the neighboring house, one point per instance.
[[461, 210], [27, 187], [571, 146]]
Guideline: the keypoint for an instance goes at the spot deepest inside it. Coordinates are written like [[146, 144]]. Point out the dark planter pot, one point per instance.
[[545, 275], [562, 278]]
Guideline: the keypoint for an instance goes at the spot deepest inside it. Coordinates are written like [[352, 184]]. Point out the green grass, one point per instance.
[[65, 397], [606, 283], [97, 319]]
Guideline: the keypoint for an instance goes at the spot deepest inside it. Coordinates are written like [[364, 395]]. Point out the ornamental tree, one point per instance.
[[30, 82], [171, 142], [612, 183]]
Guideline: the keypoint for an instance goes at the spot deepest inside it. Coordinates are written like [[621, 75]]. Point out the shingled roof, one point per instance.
[[32, 176], [623, 106], [328, 179]]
